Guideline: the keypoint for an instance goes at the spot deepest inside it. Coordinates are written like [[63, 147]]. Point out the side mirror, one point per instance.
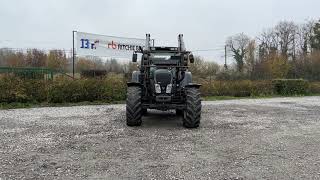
[[134, 57], [191, 58]]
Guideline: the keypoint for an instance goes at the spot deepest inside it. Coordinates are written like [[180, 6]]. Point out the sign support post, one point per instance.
[[225, 58], [73, 53]]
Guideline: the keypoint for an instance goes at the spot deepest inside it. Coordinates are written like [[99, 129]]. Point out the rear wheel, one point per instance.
[[192, 113], [133, 107]]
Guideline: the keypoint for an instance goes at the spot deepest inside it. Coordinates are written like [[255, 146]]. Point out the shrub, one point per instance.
[[36, 90], [243, 88], [114, 87], [15, 89], [290, 86], [207, 89], [12, 90], [65, 90], [314, 87], [227, 88], [108, 89], [262, 88]]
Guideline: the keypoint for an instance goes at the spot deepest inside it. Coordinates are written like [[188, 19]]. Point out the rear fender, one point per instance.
[[135, 76], [193, 85], [130, 84], [187, 79]]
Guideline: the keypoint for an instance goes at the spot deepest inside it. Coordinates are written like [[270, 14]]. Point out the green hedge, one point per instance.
[[314, 87], [244, 88], [62, 90], [113, 88], [241, 88], [290, 86], [108, 89], [14, 89]]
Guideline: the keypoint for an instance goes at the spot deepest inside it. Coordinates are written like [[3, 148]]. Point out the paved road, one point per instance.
[[238, 139]]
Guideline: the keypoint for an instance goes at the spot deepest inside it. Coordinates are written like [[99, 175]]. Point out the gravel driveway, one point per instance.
[[275, 138]]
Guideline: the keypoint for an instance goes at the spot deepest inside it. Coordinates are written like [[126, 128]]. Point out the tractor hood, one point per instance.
[[163, 81], [163, 77]]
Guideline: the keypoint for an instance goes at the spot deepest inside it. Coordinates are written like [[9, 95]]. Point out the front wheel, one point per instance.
[[192, 113], [133, 108]]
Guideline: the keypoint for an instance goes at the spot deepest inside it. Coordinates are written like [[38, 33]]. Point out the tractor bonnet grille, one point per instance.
[[163, 77]]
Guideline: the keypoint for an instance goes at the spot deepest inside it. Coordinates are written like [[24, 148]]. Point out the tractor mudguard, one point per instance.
[[193, 85], [187, 79], [135, 76], [129, 84]]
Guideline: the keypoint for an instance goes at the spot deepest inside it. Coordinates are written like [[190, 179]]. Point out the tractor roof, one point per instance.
[[166, 50]]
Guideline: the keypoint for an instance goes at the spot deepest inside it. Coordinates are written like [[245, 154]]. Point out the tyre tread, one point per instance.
[[133, 106], [193, 108]]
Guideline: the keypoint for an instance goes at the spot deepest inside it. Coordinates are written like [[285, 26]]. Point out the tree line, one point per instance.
[[58, 60], [287, 50], [55, 59]]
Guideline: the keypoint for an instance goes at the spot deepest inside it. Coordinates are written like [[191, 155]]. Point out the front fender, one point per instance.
[[193, 85], [135, 76], [129, 84]]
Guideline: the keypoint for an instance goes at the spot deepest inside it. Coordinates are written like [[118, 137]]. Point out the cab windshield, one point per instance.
[[165, 56]]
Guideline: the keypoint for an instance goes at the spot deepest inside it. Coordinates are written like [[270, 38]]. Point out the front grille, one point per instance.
[[163, 77]]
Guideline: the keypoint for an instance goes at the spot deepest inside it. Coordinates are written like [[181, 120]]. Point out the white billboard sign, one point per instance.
[[106, 46]]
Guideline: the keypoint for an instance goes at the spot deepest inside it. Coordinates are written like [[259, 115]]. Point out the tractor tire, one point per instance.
[[133, 107], [179, 112], [192, 113], [144, 111]]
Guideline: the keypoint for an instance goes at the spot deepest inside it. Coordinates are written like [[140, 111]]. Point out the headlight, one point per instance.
[[158, 88], [169, 87]]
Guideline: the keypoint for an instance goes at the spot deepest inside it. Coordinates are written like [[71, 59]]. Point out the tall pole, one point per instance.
[[225, 57], [294, 58], [73, 53]]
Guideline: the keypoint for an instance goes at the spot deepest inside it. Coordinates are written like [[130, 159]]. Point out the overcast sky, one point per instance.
[[205, 23]]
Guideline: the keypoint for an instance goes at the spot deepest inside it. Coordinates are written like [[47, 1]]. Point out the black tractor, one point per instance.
[[163, 82]]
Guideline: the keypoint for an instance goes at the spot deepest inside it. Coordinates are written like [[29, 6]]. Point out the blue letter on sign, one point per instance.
[[85, 43]]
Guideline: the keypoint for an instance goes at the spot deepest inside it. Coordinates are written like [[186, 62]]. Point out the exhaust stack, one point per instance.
[[181, 46]]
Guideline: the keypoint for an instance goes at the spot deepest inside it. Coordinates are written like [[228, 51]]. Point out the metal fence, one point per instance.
[[28, 72]]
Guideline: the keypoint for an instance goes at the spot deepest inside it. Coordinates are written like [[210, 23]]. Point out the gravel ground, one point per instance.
[[275, 138]]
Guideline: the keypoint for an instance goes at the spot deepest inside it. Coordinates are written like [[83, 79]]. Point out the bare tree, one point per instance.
[[112, 65], [57, 60], [212, 69], [304, 37], [268, 43], [238, 45], [5, 53], [315, 38], [36, 58], [250, 56], [197, 67], [286, 33]]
